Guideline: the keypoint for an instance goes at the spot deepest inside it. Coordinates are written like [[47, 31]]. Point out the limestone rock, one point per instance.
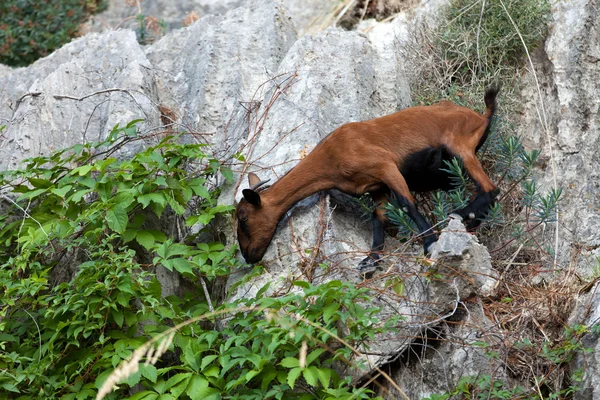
[[76, 95], [214, 68], [307, 15], [323, 82], [458, 254], [587, 312], [568, 72]]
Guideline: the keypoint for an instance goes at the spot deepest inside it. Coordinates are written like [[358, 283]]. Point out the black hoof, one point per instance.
[[367, 267], [428, 242], [427, 248]]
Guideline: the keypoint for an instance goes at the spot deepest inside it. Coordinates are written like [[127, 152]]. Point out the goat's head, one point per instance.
[[256, 223]]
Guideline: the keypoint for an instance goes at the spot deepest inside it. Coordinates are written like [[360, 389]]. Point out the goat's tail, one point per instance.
[[490, 105]]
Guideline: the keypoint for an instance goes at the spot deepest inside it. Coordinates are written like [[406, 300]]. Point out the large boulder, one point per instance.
[[561, 117], [76, 95], [323, 82], [308, 15]]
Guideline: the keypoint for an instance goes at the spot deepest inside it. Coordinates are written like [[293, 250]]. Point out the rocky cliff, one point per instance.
[[247, 81]]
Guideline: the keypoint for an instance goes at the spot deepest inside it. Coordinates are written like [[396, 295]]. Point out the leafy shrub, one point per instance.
[[482, 40], [80, 245], [31, 29]]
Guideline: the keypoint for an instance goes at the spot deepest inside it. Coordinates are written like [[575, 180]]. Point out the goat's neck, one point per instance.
[[307, 178]]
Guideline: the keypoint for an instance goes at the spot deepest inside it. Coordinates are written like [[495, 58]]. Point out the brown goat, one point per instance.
[[385, 156]]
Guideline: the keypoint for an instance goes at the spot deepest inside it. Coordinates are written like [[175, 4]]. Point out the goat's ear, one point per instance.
[[251, 197], [253, 179]]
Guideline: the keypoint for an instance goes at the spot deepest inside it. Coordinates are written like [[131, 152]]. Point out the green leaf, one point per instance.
[[133, 123], [83, 170], [157, 198], [196, 386], [40, 183], [175, 379], [118, 317], [313, 355], [251, 374], [62, 191], [10, 387], [149, 372], [117, 219], [197, 185], [227, 174], [302, 284], [324, 376], [145, 238], [206, 393], [290, 362], [293, 375], [32, 194], [212, 371], [134, 378], [78, 195], [399, 288], [182, 265], [124, 198], [178, 383], [207, 360], [145, 395], [329, 311], [311, 374], [397, 285]]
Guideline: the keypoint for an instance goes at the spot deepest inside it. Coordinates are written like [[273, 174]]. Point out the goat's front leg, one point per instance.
[[395, 181], [369, 264], [486, 192]]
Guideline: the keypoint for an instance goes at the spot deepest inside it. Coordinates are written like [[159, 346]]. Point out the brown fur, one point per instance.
[[362, 157]]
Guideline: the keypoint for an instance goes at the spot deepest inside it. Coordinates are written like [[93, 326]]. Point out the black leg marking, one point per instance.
[[369, 264], [478, 208], [425, 229]]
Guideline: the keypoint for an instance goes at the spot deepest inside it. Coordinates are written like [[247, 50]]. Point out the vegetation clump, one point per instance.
[[31, 29], [84, 238]]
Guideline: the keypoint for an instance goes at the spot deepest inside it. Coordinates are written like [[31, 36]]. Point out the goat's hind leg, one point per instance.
[[486, 193]]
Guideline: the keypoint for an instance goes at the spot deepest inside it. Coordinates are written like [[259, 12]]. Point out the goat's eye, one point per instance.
[[244, 218]]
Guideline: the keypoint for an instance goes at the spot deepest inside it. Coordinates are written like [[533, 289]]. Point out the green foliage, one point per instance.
[[484, 40], [85, 208], [31, 29], [258, 354], [83, 233], [476, 46]]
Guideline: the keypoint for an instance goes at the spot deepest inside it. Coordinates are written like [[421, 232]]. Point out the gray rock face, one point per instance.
[[445, 354], [426, 306], [306, 14], [172, 13], [588, 312], [244, 82], [569, 75], [569, 82], [459, 254], [211, 68], [76, 95]]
